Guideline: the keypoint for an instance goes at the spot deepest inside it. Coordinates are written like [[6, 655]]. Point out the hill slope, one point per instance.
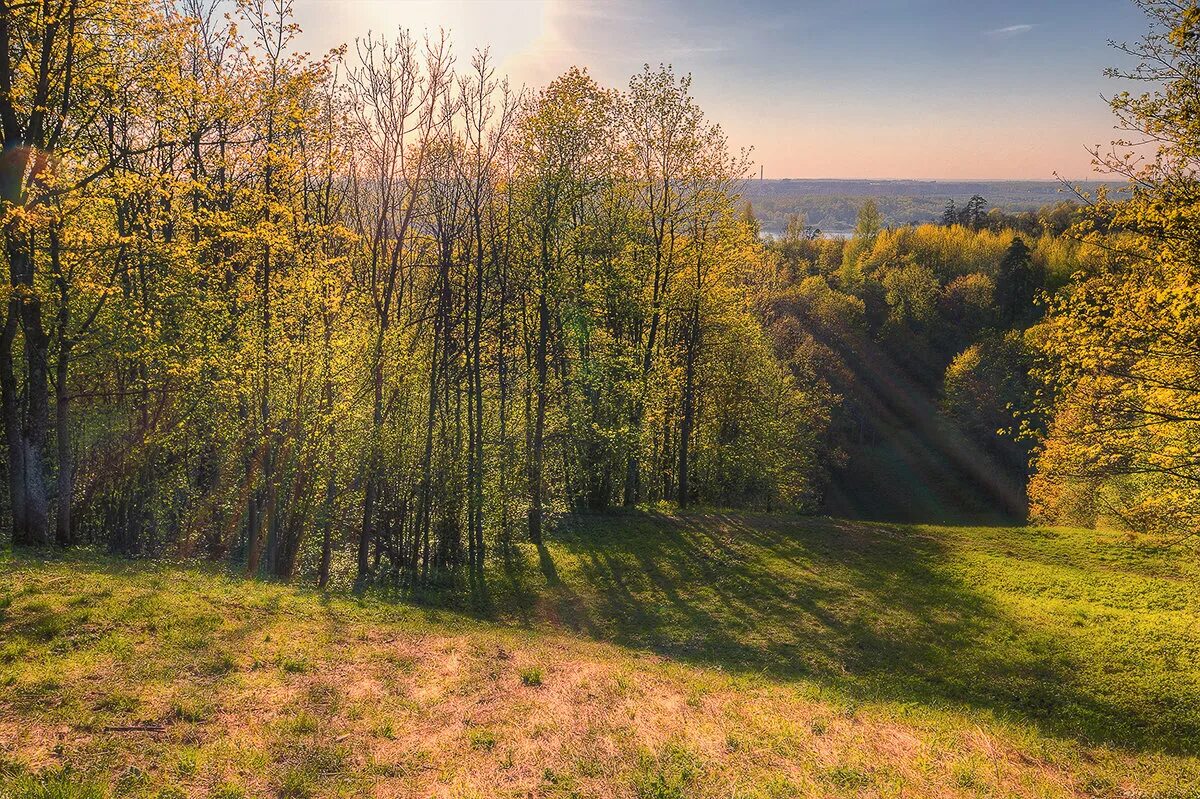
[[639, 655]]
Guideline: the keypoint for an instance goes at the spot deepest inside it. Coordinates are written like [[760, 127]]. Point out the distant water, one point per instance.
[[832, 205], [1033, 192], [833, 233]]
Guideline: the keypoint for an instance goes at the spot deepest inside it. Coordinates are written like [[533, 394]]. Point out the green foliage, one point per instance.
[[1122, 360], [870, 327], [482, 738], [911, 292], [986, 389], [447, 315]]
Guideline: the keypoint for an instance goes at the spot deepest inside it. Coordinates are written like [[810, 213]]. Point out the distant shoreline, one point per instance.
[[831, 204], [1055, 181]]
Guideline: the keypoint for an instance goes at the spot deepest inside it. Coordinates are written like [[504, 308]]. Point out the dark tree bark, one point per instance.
[[537, 447], [687, 416]]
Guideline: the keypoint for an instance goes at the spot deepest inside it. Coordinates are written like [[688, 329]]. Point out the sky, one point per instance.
[[926, 89]]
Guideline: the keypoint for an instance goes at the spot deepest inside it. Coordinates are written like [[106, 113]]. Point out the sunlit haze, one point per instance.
[[874, 89]]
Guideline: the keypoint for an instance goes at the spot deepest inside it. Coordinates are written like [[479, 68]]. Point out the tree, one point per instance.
[[974, 213], [911, 292], [950, 215], [1017, 285], [985, 387], [1123, 343], [397, 89], [866, 232], [62, 65], [674, 154], [967, 306], [562, 138]]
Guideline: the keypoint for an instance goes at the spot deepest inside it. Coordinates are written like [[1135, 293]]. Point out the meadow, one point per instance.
[[647, 654]]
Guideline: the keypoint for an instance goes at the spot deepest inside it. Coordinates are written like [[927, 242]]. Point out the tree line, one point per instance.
[[377, 307], [372, 315]]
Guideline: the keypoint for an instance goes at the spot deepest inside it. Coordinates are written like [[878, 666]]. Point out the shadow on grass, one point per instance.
[[874, 611], [871, 611]]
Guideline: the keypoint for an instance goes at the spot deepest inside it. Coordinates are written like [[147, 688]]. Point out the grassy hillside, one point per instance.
[[639, 655]]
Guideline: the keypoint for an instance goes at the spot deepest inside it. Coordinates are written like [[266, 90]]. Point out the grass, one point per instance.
[[531, 676], [637, 655]]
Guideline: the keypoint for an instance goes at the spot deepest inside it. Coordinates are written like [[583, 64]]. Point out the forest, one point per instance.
[[370, 316]]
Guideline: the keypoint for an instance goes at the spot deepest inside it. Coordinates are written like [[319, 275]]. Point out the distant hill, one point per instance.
[[832, 205]]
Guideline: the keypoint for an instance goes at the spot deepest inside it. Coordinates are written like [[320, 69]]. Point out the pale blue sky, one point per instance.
[[855, 89]]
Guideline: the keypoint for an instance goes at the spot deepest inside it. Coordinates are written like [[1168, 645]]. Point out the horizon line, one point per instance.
[[940, 180]]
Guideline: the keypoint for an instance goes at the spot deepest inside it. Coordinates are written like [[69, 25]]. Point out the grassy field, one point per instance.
[[640, 655]]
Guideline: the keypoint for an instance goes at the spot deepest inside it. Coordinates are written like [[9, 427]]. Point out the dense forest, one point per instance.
[[370, 317], [920, 334]]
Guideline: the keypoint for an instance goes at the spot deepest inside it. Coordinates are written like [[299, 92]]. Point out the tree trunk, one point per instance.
[[370, 494], [326, 535], [537, 456], [12, 426], [62, 436], [37, 510], [689, 408], [62, 409], [253, 534]]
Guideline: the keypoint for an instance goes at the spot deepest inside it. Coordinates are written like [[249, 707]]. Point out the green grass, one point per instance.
[[640, 654], [1088, 635], [531, 676]]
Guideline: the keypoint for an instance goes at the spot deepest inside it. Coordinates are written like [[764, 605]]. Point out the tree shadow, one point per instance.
[[870, 611], [874, 611]]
